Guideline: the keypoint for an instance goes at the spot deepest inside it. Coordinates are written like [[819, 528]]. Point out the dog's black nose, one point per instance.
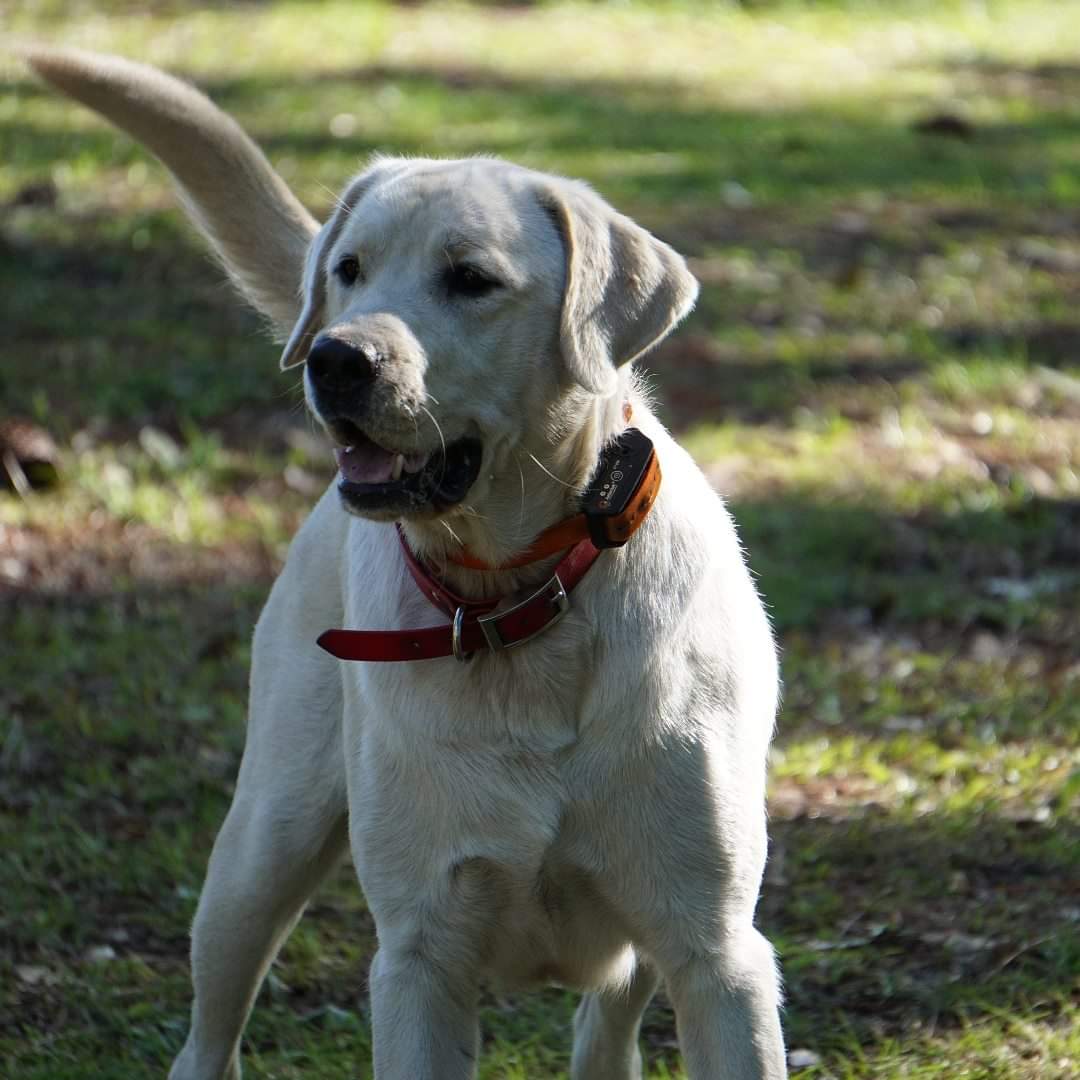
[[337, 367]]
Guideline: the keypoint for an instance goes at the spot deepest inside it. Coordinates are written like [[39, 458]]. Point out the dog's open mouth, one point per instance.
[[374, 479]]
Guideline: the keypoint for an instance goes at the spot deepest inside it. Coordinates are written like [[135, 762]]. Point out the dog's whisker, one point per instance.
[[544, 468], [338, 201], [295, 388], [454, 536], [521, 509], [442, 439], [431, 416]]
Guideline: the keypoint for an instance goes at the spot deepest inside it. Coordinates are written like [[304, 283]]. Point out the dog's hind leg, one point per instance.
[[287, 824], [606, 1029]]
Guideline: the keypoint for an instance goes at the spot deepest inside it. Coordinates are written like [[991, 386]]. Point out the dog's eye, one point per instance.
[[348, 270], [465, 280]]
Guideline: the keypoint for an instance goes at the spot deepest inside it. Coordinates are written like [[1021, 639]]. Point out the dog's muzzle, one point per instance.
[[376, 479]]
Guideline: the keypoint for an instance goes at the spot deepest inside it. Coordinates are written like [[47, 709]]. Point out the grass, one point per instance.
[[881, 376]]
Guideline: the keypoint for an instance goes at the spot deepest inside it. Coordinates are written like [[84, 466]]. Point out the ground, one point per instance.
[[882, 377]]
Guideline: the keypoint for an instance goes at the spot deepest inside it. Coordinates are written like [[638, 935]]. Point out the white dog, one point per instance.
[[586, 807]]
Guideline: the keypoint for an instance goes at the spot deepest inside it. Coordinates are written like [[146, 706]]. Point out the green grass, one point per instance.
[[882, 375]]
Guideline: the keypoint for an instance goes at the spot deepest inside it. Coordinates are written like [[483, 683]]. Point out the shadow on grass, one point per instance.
[[789, 153], [126, 322], [886, 925], [1048, 83], [817, 560], [153, 329], [656, 141]]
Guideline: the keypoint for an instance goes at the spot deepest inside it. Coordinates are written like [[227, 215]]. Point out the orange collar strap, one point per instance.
[[559, 537], [614, 506]]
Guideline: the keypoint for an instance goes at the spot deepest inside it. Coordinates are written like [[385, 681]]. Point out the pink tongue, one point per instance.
[[367, 464]]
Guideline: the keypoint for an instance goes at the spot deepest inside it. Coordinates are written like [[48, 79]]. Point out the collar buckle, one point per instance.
[[455, 637], [552, 590]]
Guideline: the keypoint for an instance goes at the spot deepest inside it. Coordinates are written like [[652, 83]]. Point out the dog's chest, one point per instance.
[[468, 848], [471, 761]]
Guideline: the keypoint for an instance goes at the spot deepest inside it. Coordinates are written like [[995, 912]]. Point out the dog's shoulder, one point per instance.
[[680, 609]]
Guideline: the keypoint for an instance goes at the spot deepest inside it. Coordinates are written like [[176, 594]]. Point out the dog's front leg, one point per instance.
[[262, 870], [287, 823], [423, 1017], [606, 1030], [727, 1010]]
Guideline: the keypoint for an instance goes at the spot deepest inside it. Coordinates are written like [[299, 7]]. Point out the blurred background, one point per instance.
[[882, 201]]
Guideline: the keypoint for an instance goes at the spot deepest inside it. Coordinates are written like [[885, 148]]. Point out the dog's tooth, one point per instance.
[[399, 464]]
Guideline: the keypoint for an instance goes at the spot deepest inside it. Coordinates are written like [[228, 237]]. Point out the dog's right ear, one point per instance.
[[257, 227], [313, 314], [625, 290]]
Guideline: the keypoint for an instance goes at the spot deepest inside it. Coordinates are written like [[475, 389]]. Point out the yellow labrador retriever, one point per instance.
[[546, 753]]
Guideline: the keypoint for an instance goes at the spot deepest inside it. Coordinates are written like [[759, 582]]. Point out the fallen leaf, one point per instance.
[[33, 975], [803, 1058]]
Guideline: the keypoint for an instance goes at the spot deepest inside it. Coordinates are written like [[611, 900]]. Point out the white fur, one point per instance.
[[588, 808]]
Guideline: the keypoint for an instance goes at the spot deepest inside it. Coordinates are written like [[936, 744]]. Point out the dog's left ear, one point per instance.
[[313, 287], [625, 290]]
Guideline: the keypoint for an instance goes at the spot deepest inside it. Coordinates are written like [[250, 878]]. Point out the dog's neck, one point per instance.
[[543, 488]]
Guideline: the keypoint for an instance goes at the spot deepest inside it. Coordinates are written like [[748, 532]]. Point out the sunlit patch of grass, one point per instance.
[[1038, 1048], [908, 772], [978, 381], [203, 497]]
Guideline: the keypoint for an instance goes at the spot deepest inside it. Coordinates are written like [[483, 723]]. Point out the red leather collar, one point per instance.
[[473, 625]]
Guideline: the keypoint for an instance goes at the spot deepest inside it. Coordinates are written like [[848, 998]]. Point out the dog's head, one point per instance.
[[452, 308], [458, 317]]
